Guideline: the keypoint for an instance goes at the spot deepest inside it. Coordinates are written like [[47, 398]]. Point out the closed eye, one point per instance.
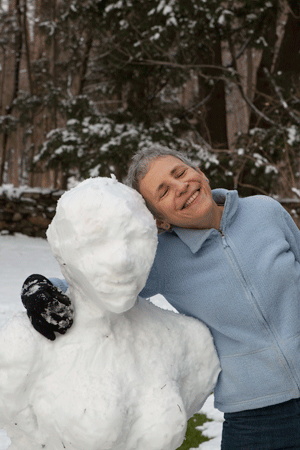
[[164, 193], [180, 174]]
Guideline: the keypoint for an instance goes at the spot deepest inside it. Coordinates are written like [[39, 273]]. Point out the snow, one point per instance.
[[293, 135], [19, 257], [12, 192], [212, 430], [5, 5], [222, 18], [156, 399], [296, 191]]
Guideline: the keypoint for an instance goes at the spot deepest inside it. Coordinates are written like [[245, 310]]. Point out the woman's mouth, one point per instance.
[[191, 199]]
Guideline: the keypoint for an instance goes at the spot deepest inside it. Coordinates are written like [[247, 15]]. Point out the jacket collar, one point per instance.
[[194, 238]]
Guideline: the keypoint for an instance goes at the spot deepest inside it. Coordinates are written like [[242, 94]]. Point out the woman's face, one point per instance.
[[180, 193]]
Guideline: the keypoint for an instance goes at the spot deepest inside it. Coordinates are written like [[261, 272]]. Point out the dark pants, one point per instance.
[[272, 428]]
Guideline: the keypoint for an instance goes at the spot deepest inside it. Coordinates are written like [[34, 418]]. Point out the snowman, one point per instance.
[[127, 375]]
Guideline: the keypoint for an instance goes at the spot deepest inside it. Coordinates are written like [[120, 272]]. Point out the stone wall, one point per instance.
[[27, 210], [30, 210]]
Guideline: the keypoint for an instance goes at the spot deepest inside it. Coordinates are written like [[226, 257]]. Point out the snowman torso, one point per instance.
[[102, 386], [127, 375]]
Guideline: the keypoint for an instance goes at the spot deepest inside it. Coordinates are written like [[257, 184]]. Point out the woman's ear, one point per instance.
[[162, 225]]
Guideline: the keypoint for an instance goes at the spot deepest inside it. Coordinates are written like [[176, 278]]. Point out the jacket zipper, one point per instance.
[[232, 256]]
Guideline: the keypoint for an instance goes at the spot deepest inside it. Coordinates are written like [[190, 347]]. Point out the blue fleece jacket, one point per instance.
[[243, 282]]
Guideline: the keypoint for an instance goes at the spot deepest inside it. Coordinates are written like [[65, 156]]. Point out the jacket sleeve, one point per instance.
[[292, 234], [152, 286], [59, 283]]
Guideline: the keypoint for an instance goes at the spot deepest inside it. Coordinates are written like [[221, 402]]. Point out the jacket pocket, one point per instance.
[[247, 378]]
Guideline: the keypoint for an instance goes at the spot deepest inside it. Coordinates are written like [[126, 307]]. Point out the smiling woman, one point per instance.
[[181, 194], [233, 263]]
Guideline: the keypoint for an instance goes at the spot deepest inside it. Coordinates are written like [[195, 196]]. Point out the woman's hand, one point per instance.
[[48, 308]]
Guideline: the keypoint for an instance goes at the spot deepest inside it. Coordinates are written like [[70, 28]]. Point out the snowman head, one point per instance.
[[104, 239]]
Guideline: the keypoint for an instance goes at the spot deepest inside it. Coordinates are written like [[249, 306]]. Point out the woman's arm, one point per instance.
[[292, 234]]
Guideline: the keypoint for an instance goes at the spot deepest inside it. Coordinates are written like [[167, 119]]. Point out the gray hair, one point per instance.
[[140, 163]]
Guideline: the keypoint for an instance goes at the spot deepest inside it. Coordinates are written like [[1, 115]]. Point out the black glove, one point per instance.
[[48, 308]]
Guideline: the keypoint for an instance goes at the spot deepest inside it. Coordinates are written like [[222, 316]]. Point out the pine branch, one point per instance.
[[281, 99]]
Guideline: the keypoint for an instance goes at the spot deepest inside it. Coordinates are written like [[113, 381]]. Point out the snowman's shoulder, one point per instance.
[[184, 327], [18, 340], [18, 356]]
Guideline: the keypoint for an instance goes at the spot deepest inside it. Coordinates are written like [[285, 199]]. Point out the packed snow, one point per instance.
[[141, 369]]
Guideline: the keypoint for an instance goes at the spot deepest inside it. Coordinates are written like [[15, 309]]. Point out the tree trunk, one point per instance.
[[263, 87], [289, 54], [54, 58], [84, 63], [31, 91], [9, 108], [215, 129], [3, 79]]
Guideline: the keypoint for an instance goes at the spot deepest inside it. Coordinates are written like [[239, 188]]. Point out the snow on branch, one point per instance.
[[280, 96]]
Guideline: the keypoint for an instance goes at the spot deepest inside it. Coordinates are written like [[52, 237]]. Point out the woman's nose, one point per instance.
[[181, 187]]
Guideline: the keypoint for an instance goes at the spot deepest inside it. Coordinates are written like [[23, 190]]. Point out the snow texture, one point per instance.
[[212, 430], [128, 374]]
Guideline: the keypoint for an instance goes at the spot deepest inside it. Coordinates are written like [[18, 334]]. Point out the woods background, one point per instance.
[[84, 84]]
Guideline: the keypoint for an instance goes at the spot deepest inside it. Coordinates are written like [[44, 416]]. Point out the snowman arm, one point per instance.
[[18, 350], [20, 354]]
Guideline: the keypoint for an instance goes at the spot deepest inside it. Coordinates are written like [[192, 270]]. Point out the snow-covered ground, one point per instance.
[[21, 256]]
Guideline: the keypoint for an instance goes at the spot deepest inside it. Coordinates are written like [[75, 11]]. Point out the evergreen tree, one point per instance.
[[110, 77]]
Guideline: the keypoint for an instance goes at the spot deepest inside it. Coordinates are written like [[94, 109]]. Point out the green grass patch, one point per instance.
[[193, 437]]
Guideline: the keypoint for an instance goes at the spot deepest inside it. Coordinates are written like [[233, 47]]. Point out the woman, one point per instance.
[[233, 264]]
